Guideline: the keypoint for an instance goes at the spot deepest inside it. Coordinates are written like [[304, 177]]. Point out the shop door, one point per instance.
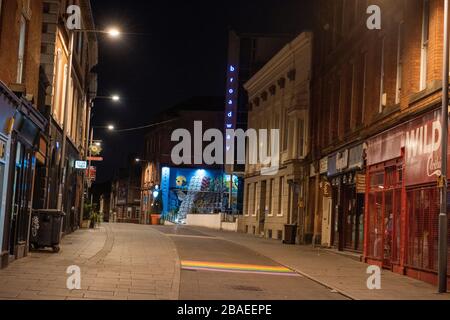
[[326, 221], [21, 197], [349, 217], [391, 230], [262, 207]]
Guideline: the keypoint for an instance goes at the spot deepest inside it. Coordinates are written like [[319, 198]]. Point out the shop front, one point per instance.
[[25, 137], [8, 106], [345, 172], [403, 198]]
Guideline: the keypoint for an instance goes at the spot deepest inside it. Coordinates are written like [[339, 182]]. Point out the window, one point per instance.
[[383, 95], [272, 181], [398, 85], [21, 53], [255, 199], [247, 196], [281, 197], [425, 42], [301, 138]]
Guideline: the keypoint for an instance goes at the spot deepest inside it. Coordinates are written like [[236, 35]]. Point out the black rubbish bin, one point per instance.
[[290, 233], [46, 228]]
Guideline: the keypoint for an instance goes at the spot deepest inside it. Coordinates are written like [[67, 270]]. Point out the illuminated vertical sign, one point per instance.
[[232, 91], [231, 97]]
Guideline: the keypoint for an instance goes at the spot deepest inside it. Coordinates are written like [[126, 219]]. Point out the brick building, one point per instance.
[[22, 146], [82, 86], [33, 79], [375, 132]]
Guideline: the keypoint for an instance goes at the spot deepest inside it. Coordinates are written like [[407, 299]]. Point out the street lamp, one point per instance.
[[443, 227], [138, 160], [113, 97], [114, 32]]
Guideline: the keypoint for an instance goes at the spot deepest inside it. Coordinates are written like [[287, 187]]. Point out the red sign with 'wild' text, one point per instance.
[[421, 139]]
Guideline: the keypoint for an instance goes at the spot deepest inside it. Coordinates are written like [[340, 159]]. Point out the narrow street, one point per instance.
[[140, 262], [126, 261], [216, 269]]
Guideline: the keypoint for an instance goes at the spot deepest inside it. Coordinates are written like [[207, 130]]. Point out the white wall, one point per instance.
[[211, 221]]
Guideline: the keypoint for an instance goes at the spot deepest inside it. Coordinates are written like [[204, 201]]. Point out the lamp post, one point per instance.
[[113, 33], [443, 227], [114, 98]]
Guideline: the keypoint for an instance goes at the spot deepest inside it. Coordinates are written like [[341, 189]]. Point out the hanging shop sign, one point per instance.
[[91, 173], [95, 159], [80, 165], [360, 183], [95, 149]]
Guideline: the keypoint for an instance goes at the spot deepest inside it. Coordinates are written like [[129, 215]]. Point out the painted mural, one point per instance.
[[194, 191]]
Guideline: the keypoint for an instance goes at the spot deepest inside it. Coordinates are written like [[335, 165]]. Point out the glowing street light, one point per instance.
[[115, 98], [113, 32], [110, 127]]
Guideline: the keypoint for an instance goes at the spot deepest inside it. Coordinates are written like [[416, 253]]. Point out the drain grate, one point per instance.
[[247, 288]]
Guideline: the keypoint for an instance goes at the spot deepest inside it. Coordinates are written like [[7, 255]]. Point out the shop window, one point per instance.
[[398, 84], [377, 180], [281, 195], [271, 189], [21, 53], [425, 44]]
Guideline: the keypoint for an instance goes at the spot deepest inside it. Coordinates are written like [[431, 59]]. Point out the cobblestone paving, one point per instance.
[[117, 261]]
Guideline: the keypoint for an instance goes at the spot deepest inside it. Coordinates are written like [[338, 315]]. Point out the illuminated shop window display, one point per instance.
[[195, 191]]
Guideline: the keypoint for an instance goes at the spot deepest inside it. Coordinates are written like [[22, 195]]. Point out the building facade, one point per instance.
[[34, 57], [21, 124], [69, 99], [279, 96], [125, 196], [175, 190], [376, 147], [247, 53]]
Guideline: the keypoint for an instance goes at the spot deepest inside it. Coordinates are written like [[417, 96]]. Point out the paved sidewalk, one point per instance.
[[335, 271], [117, 261]]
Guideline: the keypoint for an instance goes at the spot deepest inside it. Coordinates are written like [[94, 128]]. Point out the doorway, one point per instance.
[[384, 212], [22, 173]]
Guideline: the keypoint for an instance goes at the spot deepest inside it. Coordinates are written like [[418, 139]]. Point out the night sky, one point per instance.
[[176, 50]]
